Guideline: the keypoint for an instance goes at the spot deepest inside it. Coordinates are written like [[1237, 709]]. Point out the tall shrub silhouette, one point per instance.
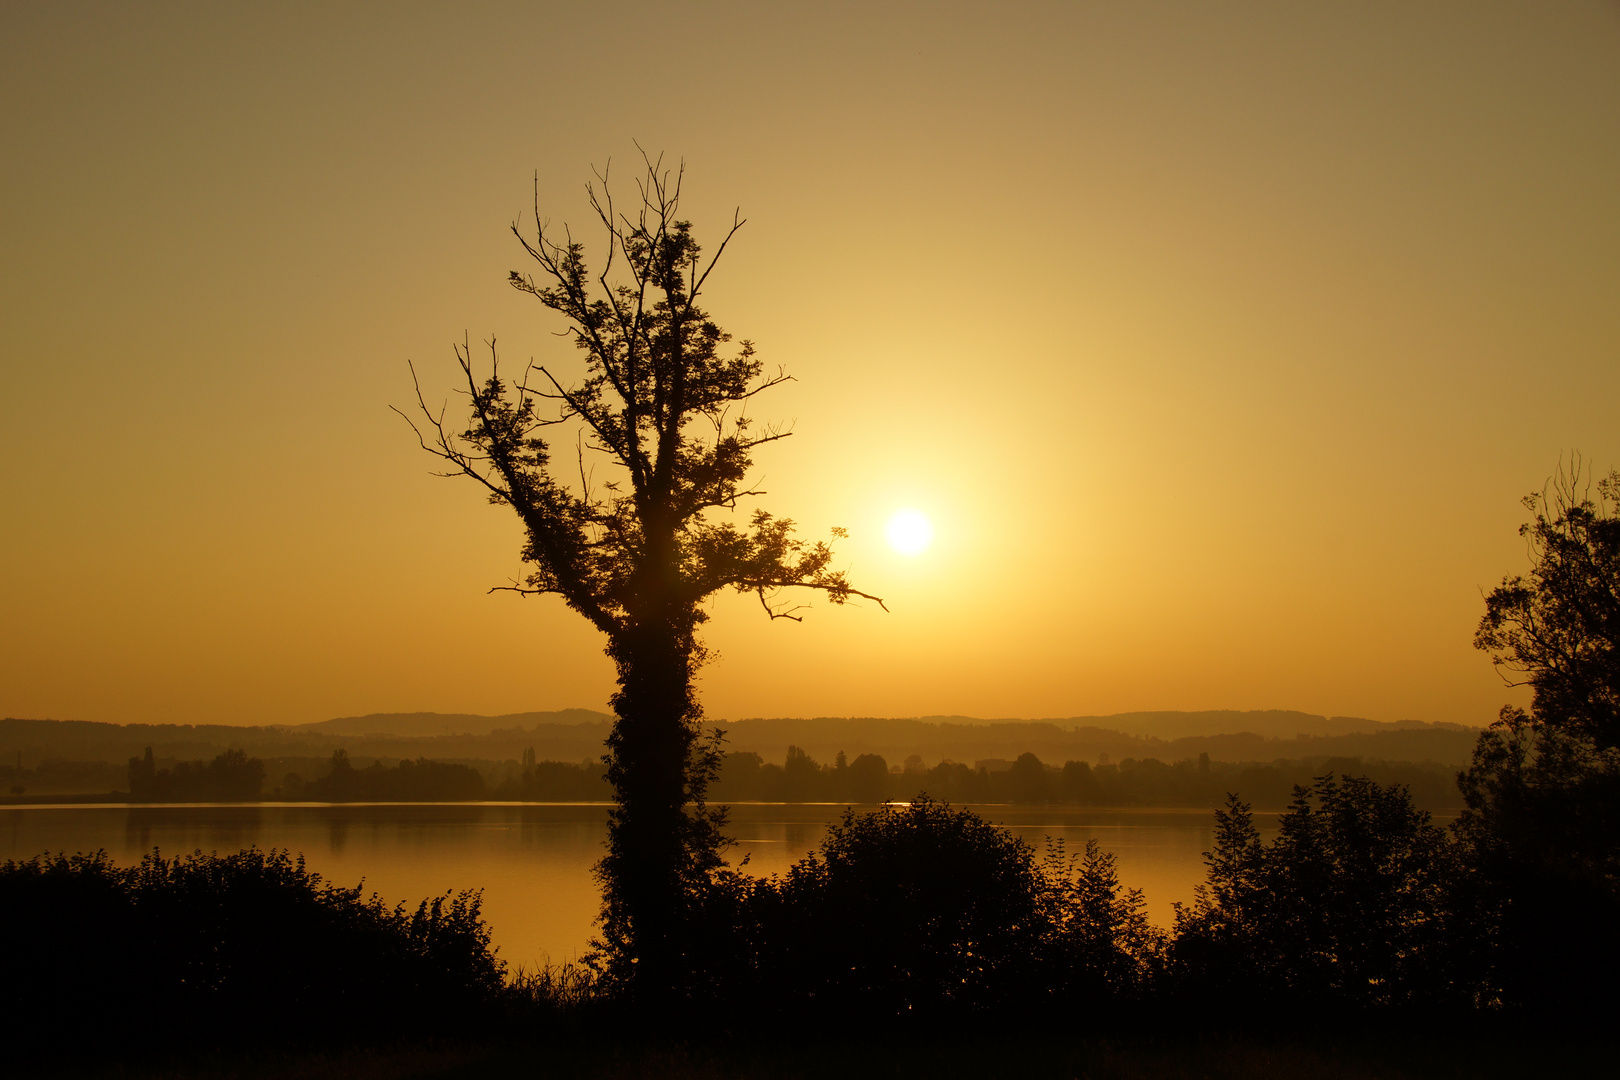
[[1349, 906]]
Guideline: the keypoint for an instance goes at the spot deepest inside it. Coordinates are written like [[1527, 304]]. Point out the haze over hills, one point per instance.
[[1227, 734], [578, 734], [1267, 723], [1270, 723], [429, 723], [1224, 735]]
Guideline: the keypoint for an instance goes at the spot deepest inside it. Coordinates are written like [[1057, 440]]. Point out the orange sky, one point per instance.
[[1219, 341]]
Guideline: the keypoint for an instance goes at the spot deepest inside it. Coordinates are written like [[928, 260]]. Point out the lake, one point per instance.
[[534, 861]]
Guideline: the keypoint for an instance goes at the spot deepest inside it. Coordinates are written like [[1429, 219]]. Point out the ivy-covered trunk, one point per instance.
[[661, 840]]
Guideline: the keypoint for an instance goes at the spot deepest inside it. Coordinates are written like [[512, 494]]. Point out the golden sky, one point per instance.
[[1218, 341]]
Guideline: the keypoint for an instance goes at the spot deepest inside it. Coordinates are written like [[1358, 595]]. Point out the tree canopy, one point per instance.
[[1558, 628], [663, 403]]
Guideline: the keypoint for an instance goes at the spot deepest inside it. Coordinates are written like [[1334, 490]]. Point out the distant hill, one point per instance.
[[1270, 723], [82, 740], [1225, 736], [88, 740], [422, 724], [578, 734]]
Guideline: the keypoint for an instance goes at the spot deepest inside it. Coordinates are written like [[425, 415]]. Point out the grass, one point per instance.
[[811, 1055]]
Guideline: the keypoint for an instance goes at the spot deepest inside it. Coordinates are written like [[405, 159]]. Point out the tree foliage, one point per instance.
[[230, 777], [120, 952], [663, 407], [663, 403], [1348, 906], [419, 780], [923, 913], [1541, 840], [1558, 629]]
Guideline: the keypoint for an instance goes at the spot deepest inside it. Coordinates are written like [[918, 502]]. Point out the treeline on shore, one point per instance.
[[234, 777], [869, 778], [42, 757], [745, 776]]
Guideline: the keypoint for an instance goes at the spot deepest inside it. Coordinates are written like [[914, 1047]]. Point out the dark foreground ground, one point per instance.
[[1032, 1055]]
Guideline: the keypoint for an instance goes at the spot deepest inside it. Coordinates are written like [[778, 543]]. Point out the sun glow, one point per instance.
[[909, 532]]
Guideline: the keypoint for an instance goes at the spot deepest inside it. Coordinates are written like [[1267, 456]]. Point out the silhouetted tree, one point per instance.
[[409, 781], [1079, 786], [339, 784], [1542, 824], [548, 781], [800, 773], [1027, 780], [664, 404], [1559, 629], [233, 776], [1542, 835], [951, 781], [868, 779], [143, 783], [230, 777], [1099, 943]]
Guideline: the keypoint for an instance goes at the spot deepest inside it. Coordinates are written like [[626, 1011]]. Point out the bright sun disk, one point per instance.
[[909, 532]]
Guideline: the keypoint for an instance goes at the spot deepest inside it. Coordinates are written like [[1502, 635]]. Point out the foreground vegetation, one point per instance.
[[796, 1054], [118, 953], [911, 923]]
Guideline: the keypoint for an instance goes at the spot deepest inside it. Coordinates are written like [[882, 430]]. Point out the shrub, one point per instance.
[[927, 913], [219, 938]]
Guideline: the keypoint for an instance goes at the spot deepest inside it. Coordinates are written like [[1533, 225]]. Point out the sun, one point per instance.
[[909, 532]]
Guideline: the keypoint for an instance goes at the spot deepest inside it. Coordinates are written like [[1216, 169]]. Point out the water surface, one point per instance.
[[533, 861]]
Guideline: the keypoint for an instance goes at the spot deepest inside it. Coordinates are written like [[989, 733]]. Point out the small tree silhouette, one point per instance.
[[664, 405]]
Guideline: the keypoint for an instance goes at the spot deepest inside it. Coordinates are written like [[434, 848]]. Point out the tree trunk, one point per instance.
[[651, 869]]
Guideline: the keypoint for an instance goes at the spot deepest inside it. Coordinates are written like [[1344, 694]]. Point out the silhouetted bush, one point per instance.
[[926, 914], [216, 940]]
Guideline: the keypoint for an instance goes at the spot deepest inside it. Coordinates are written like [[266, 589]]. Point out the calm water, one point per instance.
[[534, 861]]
